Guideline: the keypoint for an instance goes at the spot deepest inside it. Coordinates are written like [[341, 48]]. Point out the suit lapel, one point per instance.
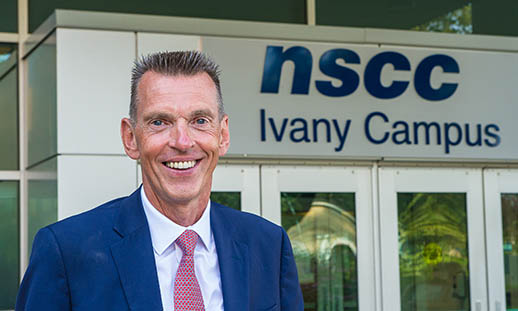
[[233, 261], [134, 258]]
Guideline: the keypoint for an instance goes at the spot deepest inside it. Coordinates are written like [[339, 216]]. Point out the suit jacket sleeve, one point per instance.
[[291, 294], [44, 286]]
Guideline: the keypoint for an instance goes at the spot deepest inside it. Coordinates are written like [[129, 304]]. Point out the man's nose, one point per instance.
[[180, 136]]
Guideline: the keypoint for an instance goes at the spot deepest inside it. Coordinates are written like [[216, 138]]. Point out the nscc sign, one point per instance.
[[350, 79], [307, 99]]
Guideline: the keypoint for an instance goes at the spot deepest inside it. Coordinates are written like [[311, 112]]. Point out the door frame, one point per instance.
[[432, 180], [293, 178], [496, 182], [242, 178]]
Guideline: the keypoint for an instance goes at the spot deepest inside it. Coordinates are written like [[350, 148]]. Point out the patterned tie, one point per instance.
[[187, 293]]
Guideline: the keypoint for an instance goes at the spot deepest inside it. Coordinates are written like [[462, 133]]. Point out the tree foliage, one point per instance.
[[457, 21]]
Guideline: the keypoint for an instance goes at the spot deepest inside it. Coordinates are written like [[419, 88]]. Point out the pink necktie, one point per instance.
[[187, 293]]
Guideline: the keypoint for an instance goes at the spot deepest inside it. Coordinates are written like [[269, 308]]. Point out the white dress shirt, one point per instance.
[[168, 255]]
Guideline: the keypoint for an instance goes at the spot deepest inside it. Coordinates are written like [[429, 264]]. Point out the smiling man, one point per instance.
[[166, 246]]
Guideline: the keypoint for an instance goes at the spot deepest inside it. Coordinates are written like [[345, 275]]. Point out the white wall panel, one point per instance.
[[85, 182], [94, 69], [153, 42]]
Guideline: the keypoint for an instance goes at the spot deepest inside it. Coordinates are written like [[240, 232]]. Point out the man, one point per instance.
[[166, 246]]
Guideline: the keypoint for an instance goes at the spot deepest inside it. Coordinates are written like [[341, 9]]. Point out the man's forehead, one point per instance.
[[153, 83], [153, 78], [156, 87]]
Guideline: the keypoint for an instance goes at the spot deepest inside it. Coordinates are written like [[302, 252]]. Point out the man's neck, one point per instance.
[[182, 213]]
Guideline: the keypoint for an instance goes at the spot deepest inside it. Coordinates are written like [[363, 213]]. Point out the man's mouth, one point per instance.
[[180, 165]]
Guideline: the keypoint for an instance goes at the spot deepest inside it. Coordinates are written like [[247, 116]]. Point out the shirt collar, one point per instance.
[[164, 231]]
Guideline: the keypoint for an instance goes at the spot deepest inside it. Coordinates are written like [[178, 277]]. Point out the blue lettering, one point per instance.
[[278, 135], [493, 135], [368, 131], [403, 132], [372, 75], [447, 139], [303, 128], [273, 62], [422, 77], [263, 125], [478, 141], [342, 136], [328, 66], [315, 129], [427, 127]]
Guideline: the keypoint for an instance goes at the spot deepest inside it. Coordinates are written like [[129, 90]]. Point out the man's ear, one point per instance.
[[129, 140], [224, 138]]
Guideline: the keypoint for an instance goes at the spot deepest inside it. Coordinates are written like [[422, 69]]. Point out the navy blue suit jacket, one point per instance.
[[103, 260]]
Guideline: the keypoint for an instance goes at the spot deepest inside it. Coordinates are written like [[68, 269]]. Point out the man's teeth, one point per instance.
[[182, 165]]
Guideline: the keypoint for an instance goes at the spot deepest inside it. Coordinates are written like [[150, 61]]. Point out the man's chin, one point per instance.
[[182, 195]]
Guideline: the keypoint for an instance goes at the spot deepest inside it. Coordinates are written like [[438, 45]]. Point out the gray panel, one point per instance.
[[86, 181], [94, 72], [148, 43]]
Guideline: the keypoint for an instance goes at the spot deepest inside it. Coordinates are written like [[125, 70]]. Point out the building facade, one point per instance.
[[379, 134]]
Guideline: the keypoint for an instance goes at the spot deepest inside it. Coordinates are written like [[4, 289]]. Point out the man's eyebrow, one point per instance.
[[202, 112], [157, 115]]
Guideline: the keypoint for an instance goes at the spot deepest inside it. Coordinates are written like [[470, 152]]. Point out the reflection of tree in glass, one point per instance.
[[510, 221], [322, 229], [230, 199], [433, 251], [457, 21], [5, 52], [510, 237]]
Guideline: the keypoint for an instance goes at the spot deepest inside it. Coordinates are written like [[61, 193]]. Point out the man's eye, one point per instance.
[[157, 122], [201, 121]]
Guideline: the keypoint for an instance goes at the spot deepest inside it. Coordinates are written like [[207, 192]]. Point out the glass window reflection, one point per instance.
[[433, 251], [510, 239], [455, 21], [9, 244], [9, 108], [43, 206], [9, 16], [459, 16], [322, 230], [227, 198]]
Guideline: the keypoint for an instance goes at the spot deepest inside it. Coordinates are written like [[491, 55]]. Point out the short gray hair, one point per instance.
[[187, 63]]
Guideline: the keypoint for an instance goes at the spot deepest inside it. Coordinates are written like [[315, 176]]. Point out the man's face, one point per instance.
[[178, 136]]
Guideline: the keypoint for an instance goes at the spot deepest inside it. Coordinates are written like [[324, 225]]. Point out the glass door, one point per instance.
[[237, 186], [327, 213], [501, 200], [432, 233]]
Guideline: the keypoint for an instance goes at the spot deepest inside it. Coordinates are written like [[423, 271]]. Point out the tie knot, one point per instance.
[[187, 242]]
